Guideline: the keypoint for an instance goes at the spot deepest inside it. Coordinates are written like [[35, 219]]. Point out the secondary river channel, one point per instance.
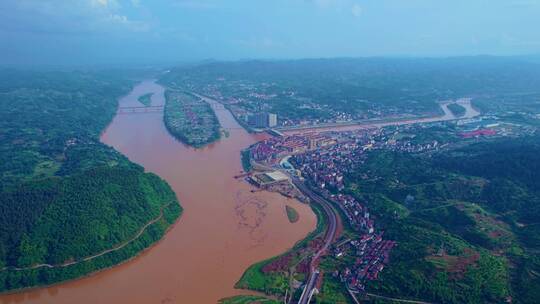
[[224, 228]]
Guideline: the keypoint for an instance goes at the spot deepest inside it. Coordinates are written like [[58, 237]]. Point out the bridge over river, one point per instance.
[[139, 109]]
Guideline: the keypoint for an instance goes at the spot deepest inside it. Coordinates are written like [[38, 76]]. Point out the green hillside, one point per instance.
[[466, 221], [70, 205]]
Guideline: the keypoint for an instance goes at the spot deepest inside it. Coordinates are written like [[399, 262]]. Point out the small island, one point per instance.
[[190, 119], [292, 214], [146, 99]]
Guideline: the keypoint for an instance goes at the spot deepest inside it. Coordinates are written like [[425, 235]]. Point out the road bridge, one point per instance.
[[140, 109]]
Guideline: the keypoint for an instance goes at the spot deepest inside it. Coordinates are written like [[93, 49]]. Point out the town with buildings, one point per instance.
[[261, 105], [320, 143], [323, 159]]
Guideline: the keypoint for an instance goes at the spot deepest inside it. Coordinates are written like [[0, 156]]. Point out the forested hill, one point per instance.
[[466, 221], [64, 196]]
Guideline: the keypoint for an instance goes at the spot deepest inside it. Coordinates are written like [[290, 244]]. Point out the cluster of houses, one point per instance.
[[357, 214], [410, 147], [275, 148], [325, 168], [372, 254], [323, 160]]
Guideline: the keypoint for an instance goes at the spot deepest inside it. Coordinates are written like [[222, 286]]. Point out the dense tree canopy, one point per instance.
[[64, 195], [470, 230]]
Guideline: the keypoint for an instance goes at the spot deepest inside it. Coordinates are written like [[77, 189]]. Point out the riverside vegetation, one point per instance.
[[146, 99], [292, 214], [65, 196]]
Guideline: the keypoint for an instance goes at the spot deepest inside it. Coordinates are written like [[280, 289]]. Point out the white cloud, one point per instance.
[[69, 17]]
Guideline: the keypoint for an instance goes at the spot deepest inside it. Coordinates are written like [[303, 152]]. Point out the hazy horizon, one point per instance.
[[95, 32]]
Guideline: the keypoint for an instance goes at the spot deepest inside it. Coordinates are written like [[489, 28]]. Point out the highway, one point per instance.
[[328, 238]]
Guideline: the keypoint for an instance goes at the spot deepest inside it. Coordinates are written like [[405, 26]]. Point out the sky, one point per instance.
[[84, 32]]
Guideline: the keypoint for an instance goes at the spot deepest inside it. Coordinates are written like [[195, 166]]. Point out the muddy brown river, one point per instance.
[[224, 228]]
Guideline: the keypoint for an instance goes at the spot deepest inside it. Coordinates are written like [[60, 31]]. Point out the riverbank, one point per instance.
[[224, 226], [76, 206], [104, 252], [15, 292], [263, 277]]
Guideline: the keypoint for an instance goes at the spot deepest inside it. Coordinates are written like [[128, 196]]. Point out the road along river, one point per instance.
[[224, 228], [470, 112]]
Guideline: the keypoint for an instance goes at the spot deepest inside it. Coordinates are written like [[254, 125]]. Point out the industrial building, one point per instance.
[[269, 178]]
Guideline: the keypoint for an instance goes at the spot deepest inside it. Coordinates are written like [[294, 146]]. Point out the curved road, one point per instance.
[[88, 258], [328, 238]]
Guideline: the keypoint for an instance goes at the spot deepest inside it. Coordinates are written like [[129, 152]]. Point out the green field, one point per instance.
[[269, 283], [332, 291]]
